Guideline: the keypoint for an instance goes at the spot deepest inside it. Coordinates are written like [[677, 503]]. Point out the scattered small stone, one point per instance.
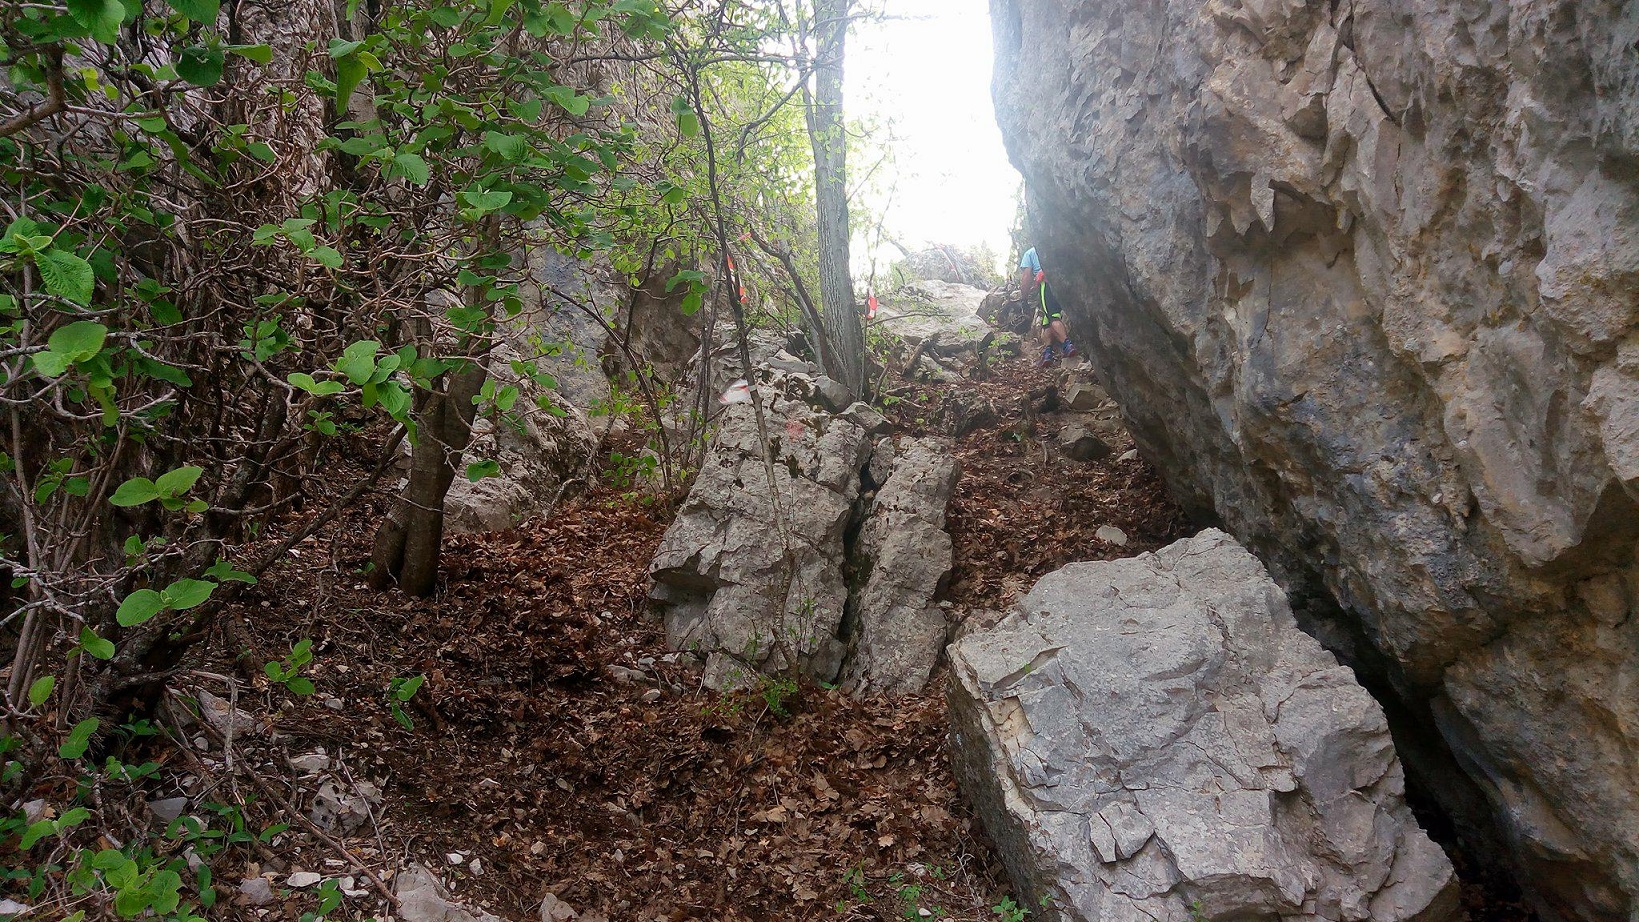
[[1130, 454], [422, 898], [169, 809], [223, 717], [629, 676], [1084, 398], [538, 848], [255, 891], [864, 417], [832, 394], [556, 910], [10, 907], [476, 867], [303, 879], [455, 857], [310, 763], [1109, 534], [334, 704], [651, 696], [34, 810], [1082, 444], [335, 809]]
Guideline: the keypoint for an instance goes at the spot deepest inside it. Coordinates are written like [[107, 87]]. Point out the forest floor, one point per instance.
[[558, 747]]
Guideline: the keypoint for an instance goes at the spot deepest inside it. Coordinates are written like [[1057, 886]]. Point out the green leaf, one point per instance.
[[200, 11], [300, 686], [41, 690], [135, 492], [223, 572], [568, 100], [35, 832], [350, 73], [66, 275], [96, 646], [509, 147], [326, 256], [138, 607], [394, 399], [200, 66], [187, 593], [479, 470], [102, 18], [407, 688], [358, 361], [688, 121], [79, 739], [178, 482], [261, 54], [481, 202], [317, 388], [50, 364], [79, 341], [163, 372], [410, 167]]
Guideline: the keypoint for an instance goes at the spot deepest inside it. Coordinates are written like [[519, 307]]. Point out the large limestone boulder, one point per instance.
[[834, 570], [1362, 276], [750, 574], [902, 560], [945, 312], [1154, 739]]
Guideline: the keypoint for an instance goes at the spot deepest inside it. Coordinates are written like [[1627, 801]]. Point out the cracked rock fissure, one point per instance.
[[853, 599]]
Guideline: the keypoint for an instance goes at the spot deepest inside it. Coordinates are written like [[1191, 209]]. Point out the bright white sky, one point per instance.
[[925, 73]]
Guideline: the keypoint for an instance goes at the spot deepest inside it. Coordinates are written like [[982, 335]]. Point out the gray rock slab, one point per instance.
[[903, 559], [1154, 738]]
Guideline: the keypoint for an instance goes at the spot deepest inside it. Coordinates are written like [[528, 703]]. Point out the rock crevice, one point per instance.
[[1360, 277], [821, 549]]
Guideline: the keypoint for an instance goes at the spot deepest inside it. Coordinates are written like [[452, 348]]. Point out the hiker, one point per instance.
[[1036, 291]]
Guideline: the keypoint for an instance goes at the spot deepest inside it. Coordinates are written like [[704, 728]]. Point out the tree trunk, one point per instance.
[[826, 132], [409, 539]]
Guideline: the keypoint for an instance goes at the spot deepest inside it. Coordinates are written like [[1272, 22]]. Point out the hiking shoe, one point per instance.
[[1069, 348], [1046, 358]]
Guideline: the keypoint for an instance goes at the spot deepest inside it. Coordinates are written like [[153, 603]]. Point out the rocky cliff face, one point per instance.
[[1362, 275]]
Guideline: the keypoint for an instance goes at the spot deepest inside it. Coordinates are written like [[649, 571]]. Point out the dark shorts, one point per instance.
[[1047, 305]]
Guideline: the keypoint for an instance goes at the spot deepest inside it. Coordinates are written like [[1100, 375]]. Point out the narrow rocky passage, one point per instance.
[[559, 747]]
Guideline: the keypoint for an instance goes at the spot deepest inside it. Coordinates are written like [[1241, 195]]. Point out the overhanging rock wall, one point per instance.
[[1363, 276]]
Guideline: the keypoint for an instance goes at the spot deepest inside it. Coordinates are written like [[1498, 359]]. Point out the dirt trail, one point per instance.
[[558, 743]]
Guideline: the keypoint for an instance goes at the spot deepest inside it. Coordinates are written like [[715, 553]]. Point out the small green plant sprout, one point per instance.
[[329, 900], [854, 877], [287, 672], [399, 693], [910, 898], [776, 692], [1197, 912], [1009, 911]]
